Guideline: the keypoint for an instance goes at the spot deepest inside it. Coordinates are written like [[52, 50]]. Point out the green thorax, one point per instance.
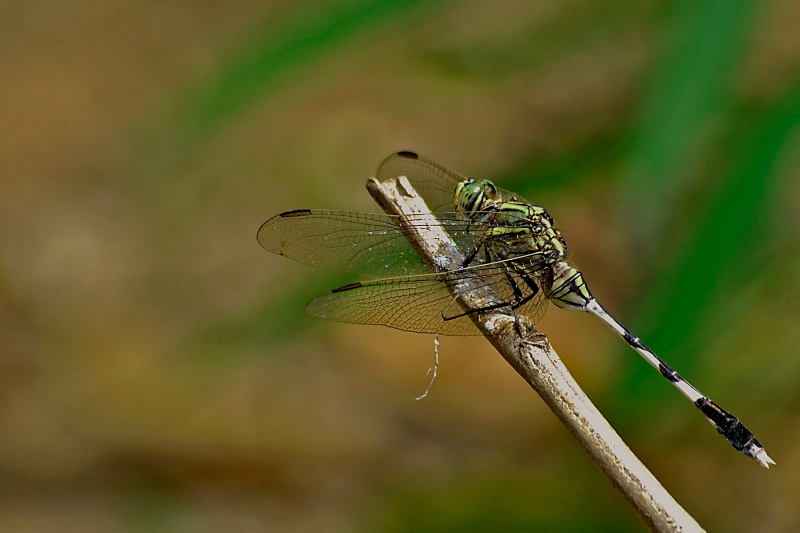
[[514, 226]]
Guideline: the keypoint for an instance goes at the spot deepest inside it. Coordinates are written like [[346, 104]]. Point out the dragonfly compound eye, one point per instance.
[[489, 190], [469, 197]]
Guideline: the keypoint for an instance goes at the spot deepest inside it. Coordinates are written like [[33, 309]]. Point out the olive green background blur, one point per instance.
[[158, 372]]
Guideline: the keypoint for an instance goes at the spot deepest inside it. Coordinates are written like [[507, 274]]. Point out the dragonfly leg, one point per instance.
[[479, 310], [538, 339], [530, 282], [519, 299], [473, 253]]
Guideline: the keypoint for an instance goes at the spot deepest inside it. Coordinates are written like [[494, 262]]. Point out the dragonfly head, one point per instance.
[[473, 196]]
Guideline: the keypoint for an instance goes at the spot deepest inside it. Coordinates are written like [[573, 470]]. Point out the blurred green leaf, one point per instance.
[[246, 77], [277, 319], [690, 87], [718, 253]]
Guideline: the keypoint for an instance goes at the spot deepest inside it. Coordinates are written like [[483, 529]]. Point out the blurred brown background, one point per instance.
[[158, 373]]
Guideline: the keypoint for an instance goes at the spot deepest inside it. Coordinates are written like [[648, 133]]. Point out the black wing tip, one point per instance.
[[348, 287], [295, 213], [264, 229]]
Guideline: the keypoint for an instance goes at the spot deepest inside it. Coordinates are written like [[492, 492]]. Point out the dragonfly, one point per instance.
[[509, 244]]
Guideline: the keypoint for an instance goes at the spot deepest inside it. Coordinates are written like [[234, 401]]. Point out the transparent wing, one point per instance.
[[374, 245], [424, 303], [371, 245], [434, 182], [408, 304]]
